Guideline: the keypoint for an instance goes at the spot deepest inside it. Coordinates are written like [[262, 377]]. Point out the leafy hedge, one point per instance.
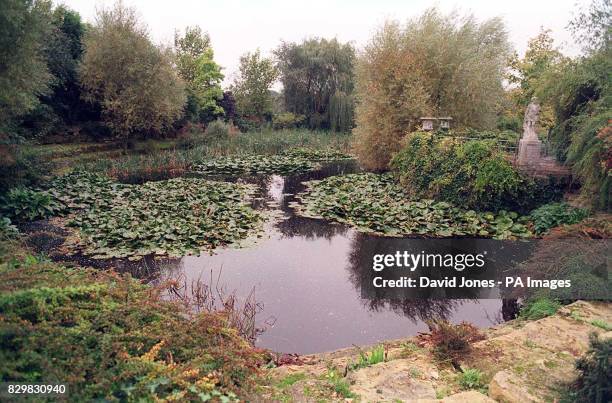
[[471, 174]]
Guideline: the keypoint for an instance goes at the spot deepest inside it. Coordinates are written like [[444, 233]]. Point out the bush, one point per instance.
[[287, 120], [25, 204], [539, 308], [472, 174], [217, 130], [594, 381], [555, 214], [449, 341], [19, 166], [7, 229], [111, 338]]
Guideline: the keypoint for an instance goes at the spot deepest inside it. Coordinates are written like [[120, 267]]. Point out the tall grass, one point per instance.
[[165, 163]]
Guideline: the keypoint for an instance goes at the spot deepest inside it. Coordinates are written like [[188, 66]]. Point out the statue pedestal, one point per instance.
[[530, 152]]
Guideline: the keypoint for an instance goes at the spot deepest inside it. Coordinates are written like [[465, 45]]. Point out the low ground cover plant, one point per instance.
[[24, 204], [473, 174], [378, 204], [108, 337], [471, 378], [539, 308], [554, 214]]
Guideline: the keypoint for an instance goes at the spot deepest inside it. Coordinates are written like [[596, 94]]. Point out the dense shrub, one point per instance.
[[451, 342], [594, 381], [472, 174], [433, 64], [25, 204], [555, 214], [217, 130], [110, 338], [20, 166], [287, 120]]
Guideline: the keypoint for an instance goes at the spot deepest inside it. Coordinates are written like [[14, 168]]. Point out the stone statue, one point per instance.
[[530, 146], [531, 119]]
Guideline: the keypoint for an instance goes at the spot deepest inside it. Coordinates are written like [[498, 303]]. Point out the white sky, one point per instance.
[[238, 26]]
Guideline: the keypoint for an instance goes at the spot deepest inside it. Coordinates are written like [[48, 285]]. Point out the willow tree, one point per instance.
[[313, 73], [434, 64], [133, 80]]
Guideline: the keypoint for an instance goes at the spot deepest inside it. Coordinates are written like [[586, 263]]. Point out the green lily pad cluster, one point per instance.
[[255, 164], [377, 204], [174, 217], [325, 155]]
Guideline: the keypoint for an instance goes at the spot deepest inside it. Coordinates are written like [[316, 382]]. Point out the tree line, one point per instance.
[[107, 78], [110, 78]]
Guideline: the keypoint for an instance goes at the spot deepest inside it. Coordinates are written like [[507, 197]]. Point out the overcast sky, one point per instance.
[[236, 27]]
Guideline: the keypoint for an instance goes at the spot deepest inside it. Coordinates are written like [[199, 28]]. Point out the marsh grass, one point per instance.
[[169, 162]]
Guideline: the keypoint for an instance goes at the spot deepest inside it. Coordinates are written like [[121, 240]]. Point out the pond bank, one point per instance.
[[521, 362]]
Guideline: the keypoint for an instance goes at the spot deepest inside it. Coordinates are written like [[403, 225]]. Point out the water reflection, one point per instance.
[[308, 274]]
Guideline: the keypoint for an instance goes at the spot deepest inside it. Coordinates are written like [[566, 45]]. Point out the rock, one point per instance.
[[507, 388], [471, 396], [391, 381]]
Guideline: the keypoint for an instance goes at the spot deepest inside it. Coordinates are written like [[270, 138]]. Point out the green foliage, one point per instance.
[[173, 217], [111, 338], [535, 309], [64, 105], [24, 74], [251, 87], [217, 130], [554, 214], [579, 92], [377, 355], [291, 379], [20, 166], [593, 384], [602, 324], [287, 120], [318, 80], [378, 204], [254, 164], [25, 204], [434, 64], [133, 80], [471, 378], [471, 173], [7, 229], [339, 385]]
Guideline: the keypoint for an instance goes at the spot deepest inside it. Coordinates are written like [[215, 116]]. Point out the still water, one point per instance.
[[307, 275]]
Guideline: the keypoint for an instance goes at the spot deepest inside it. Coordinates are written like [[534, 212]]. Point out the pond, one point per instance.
[[307, 274]]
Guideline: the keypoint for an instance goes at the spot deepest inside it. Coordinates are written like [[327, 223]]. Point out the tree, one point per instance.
[[196, 65], [63, 49], [252, 86], [528, 74], [435, 64], [318, 81], [133, 80], [579, 92], [24, 74]]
